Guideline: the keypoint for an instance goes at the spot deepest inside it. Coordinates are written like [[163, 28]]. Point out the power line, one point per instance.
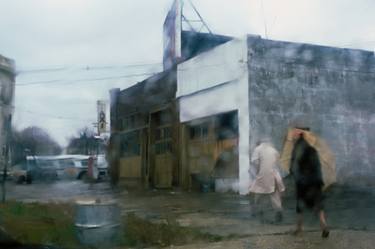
[[41, 70], [180, 69], [38, 82], [82, 80], [121, 66], [24, 110], [199, 16], [54, 116], [86, 68], [264, 20]]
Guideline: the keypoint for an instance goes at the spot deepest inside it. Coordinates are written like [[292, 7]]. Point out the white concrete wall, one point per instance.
[[215, 82], [221, 64], [206, 103]]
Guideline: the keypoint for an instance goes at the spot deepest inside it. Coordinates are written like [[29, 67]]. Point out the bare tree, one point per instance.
[[34, 139], [85, 143]]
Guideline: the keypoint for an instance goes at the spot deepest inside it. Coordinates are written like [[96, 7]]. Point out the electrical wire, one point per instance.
[[86, 68], [83, 80], [53, 116], [24, 110]]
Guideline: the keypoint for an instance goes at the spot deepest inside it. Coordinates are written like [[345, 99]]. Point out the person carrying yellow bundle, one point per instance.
[[326, 157], [312, 166]]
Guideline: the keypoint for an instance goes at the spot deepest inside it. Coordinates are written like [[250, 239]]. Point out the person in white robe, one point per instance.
[[268, 181]]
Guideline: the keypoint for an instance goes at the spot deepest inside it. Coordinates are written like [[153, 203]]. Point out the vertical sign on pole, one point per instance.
[[101, 109]]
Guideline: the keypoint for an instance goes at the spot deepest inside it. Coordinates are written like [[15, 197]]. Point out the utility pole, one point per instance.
[[7, 67], [86, 143], [8, 130]]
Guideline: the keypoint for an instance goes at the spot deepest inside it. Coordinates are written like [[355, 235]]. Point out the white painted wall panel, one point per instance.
[[215, 82], [215, 100], [221, 64]]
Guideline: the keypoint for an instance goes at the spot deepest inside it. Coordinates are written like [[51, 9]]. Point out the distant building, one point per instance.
[[144, 119], [7, 81]]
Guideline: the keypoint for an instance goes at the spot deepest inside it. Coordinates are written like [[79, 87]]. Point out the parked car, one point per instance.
[[57, 167], [81, 163], [42, 168], [66, 167], [19, 173]]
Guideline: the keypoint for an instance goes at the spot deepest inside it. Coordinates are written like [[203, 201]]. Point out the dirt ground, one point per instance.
[[311, 240], [350, 214]]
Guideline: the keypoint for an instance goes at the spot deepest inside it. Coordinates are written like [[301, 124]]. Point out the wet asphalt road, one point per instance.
[[62, 190]]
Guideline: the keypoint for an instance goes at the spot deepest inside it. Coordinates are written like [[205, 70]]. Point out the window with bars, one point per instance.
[[163, 133], [131, 145], [199, 131], [163, 117], [133, 121], [163, 147]]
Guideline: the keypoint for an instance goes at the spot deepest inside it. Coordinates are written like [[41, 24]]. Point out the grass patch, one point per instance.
[[140, 233], [53, 224], [34, 223]]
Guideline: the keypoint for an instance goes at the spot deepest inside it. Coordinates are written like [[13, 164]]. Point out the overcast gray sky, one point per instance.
[[73, 40]]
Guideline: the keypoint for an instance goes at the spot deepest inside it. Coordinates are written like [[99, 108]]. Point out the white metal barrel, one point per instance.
[[96, 223]]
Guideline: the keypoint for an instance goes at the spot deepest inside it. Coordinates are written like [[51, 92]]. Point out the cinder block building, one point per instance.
[[271, 85]]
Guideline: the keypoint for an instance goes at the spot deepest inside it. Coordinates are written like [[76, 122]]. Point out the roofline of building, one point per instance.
[[210, 34], [252, 36], [156, 76], [7, 65]]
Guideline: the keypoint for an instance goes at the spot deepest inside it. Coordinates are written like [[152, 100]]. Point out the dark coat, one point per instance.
[[307, 173]]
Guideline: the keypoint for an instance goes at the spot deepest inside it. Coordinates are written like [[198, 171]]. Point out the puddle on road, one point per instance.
[[58, 191]]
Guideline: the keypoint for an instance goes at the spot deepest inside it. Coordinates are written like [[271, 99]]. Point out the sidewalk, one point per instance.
[[338, 240]]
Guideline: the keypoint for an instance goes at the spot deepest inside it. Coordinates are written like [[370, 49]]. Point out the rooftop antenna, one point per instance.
[[172, 30], [191, 22], [264, 21]]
